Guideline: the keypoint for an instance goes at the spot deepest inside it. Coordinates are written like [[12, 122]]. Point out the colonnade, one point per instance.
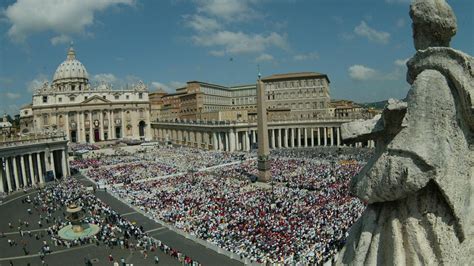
[[244, 139], [23, 170]]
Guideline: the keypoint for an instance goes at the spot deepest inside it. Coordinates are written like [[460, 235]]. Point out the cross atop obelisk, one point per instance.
[[263, 164]]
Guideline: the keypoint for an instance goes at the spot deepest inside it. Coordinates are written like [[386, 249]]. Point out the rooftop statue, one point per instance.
[[419, 185]]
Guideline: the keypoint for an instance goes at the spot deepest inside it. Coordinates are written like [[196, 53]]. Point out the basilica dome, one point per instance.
[[70, 71]]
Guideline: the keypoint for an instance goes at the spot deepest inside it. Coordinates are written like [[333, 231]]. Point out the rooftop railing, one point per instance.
[[28, 140]]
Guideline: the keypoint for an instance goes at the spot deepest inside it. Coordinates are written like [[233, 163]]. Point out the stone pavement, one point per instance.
[[12, 210]]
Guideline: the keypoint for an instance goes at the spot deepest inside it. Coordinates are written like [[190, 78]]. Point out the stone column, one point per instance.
[[2, 176], [247, 141], [15, 173], [332, 136], [198, 138], [280, 131], [221, 141], [232, 140], [305, 133], [23, 170], [52, 166], [148, 125], [227, 142], [122, 113], [82, 133], [32, 171], [78, 127], [109, 126], [101, 124], [292, 137], [273, 138], [91, 129], [40, 169], [254, 137], [338, 137], [66, 127], [214, 141], [263, 164], [325, 135], [239, 141], [8, 174], [64, 163], [285, 140], [312, 136]]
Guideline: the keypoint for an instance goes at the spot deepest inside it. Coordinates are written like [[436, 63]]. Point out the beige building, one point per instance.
[[86, 113], [303, 95], [212, 116]]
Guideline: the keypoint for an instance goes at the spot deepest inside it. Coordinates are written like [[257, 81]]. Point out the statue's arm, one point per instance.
[[409, 156]]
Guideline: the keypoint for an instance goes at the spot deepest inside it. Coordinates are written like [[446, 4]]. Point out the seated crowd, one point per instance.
[[303, 217]]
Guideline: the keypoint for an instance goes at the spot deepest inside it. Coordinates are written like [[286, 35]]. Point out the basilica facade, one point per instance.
[[86, 113]]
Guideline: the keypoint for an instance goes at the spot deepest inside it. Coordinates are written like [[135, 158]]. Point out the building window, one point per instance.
[[60, 99], [127, 97], [140, 95], [85, 98], [104, 97], [116, 97], [45, 99], [71, 99], [73, 87]]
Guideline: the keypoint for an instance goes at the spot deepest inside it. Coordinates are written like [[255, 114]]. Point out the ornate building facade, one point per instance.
[[85, 113]]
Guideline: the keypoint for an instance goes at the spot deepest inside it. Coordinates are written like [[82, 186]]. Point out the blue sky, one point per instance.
[[361, 45]]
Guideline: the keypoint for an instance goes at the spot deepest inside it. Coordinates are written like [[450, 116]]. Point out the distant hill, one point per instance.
[[375, 105]]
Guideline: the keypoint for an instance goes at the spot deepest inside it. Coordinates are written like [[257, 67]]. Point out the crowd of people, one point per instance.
[[303, 216], [124, 166], [115, 231]]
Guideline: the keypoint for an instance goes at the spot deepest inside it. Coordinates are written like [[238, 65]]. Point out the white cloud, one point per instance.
[[239, 42], [201, 24], [400, 23], [169, 87], [360, 72], [346, 36], [373, 35], [264, 58], [229, 10], [36, 83], [107, 78], [308, 56], [60, 39], [401, 62], [158, 85], [217, 52], [62, 17], [12, 95]]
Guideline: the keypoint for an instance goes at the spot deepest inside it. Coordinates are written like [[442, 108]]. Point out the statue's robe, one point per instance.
[[419, 184]]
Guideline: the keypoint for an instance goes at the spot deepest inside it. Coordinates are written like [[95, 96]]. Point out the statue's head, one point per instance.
[[434, 23]]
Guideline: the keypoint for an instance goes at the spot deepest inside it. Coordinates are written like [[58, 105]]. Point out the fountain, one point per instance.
[[77, 228]]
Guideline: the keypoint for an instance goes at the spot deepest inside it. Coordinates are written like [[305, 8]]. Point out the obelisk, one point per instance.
[[263, 164]]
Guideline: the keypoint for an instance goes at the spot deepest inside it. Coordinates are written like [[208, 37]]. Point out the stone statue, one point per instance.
[[419, 184]]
